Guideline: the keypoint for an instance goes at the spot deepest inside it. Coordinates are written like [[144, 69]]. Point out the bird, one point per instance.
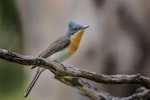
[[61, 49]]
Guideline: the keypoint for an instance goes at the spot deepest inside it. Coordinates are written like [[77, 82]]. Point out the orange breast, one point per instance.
[[75, 40]]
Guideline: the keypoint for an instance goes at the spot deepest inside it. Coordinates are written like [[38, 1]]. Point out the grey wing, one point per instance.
[[58, 45]]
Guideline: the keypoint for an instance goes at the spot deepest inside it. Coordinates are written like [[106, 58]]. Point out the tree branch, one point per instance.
[[74, 77]]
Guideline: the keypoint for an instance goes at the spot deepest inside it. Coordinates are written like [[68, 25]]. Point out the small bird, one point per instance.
[[61, 49]]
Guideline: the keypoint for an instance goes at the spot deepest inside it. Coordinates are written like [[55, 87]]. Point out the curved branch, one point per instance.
[[96, 94], [72, 76], [60, 69], [100, 78]]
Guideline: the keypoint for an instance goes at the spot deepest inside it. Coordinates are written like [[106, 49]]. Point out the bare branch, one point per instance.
[[60, 69], [72, 76], [96, 94], [100, 78]]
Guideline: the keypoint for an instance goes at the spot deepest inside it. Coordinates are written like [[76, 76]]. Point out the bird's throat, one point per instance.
[[75, 40]]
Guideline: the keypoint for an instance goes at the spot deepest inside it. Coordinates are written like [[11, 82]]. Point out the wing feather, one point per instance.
[[56, 46]]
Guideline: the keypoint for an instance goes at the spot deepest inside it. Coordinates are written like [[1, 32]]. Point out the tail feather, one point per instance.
[[32, 83]]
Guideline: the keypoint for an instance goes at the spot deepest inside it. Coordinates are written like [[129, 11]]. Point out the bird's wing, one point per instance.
[[58, 45]]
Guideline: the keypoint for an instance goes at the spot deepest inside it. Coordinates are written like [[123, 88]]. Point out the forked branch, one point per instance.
[[74, 77]]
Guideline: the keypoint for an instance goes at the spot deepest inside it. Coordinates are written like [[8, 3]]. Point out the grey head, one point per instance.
[[74, 27]]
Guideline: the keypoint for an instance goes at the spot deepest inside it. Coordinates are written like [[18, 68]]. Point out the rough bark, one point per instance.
[[77, 77]]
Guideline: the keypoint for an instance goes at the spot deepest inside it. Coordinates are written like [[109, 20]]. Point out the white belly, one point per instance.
[[60, 56]]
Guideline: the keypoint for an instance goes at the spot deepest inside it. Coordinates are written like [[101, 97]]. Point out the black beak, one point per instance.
[[86, 26]]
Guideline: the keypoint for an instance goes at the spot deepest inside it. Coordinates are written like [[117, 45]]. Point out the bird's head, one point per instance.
[[74, 28]]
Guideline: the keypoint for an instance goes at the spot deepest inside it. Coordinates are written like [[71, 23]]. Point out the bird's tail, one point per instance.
[[33, 81]]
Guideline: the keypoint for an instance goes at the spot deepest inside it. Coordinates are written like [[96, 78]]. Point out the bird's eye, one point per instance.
[[75, 29]]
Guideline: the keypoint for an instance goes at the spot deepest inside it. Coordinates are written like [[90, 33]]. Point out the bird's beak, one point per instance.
[[86, 27]]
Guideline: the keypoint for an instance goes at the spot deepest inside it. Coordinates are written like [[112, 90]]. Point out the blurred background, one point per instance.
[[117, 42]]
